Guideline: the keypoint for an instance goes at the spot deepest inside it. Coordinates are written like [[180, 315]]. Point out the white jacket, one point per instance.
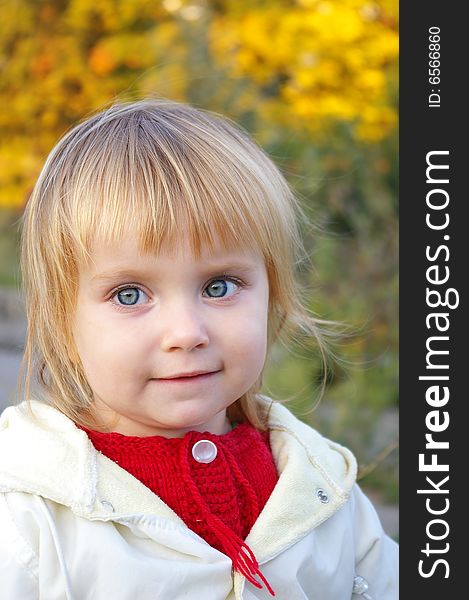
[[76, 526]]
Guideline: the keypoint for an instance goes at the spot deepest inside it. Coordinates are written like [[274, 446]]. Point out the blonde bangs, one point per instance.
[[156, 181]]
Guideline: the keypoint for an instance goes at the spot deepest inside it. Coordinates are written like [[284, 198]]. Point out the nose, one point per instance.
[[184, 329]]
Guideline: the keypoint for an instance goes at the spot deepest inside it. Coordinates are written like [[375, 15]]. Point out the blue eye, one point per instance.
[[129, 296], [218, 288]]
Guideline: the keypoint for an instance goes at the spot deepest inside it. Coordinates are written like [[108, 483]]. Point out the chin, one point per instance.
[[190, 419], [187, 423]]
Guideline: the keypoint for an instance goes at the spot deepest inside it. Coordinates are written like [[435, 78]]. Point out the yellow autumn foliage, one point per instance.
[[327, 61], [311, 64]]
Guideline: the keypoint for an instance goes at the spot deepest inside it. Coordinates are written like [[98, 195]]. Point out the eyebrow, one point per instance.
[[107, 276], [118, 274]]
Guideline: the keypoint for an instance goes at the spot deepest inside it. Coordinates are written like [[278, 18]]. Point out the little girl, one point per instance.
[[158, 258]]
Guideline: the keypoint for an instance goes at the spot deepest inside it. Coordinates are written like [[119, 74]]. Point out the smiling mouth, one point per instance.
[[187, 377]]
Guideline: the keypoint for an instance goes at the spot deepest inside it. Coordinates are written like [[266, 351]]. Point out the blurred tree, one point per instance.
[[303, 65], [319, 61]]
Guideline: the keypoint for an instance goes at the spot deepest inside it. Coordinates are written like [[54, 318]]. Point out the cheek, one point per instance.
[[92, 357], [110, 372], [99, 351], [247, 340]]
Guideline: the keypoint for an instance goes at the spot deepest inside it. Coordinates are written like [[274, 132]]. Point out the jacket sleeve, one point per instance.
[[18, 561], [377, 555]]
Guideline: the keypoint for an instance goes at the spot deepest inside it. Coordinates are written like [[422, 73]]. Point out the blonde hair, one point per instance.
[[150, 165]]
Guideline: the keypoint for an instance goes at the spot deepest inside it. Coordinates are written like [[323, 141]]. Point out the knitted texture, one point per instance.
[[220, 500]]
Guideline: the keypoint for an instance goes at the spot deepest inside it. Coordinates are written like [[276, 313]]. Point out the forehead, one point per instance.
[[107, 259]]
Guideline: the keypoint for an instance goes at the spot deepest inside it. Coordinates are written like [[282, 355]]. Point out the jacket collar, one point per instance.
[[316, 477], [42, 452]]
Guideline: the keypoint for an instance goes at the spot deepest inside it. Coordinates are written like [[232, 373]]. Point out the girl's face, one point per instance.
[[168, 341]]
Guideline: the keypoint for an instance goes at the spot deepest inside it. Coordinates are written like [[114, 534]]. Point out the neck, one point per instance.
[[108, 421]]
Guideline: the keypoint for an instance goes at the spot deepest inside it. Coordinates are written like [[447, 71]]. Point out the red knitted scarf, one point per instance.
[[219, 500]]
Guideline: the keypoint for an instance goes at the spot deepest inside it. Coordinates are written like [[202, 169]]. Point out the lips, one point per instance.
[[187, 375]]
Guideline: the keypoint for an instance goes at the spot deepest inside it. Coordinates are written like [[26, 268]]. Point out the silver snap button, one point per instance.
[[204, 451], [323, 497], [108, 505], [360, 587]]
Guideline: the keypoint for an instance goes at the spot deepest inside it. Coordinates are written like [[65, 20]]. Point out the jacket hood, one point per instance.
[[42, 452]]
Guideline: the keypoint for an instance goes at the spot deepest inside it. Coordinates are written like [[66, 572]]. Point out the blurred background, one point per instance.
[[315, 83]]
